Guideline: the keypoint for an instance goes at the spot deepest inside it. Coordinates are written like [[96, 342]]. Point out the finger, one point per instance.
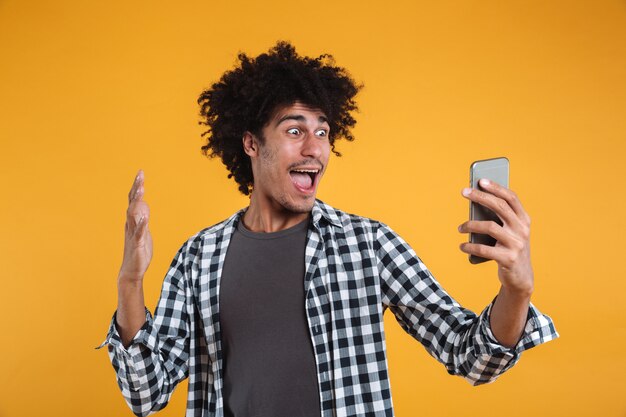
[[137, 198], [139, 194], [492, 229], [495, 253], [137, 184], [142, 226], [506, 194], [496, 204]]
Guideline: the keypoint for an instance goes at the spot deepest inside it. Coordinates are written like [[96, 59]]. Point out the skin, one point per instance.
[[296, 137]]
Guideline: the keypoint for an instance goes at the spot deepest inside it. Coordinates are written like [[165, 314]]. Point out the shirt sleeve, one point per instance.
[[462, 341], [157, 358]]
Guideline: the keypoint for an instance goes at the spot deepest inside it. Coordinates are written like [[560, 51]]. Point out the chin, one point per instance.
[[298, 207]]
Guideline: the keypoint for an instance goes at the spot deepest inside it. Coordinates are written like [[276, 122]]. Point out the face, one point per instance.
[[289, 163]]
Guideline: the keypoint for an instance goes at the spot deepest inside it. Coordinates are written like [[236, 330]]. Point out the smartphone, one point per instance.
[[496, 170]]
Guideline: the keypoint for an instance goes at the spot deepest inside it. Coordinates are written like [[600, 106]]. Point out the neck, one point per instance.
[[266, 216]]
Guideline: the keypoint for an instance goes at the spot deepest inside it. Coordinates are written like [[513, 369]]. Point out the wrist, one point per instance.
[[129, 281], [518, 294]]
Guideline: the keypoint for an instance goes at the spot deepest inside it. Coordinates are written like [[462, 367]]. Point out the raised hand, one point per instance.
[[131, 314], [137, 240], [512, 254], [512, 250]]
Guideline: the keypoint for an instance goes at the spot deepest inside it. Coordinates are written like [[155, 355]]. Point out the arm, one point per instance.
[[512, 254], [462, 341], [137, 256], [150, 356]]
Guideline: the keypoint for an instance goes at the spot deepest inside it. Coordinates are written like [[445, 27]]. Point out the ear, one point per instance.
[[250, 144]]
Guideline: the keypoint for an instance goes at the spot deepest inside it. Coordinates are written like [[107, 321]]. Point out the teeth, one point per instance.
[[307, 170]]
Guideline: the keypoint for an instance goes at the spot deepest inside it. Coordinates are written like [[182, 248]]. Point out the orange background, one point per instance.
[[92, 91]]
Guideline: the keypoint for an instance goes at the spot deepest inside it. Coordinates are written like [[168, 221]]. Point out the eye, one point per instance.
[[293, 131], [321, 132]]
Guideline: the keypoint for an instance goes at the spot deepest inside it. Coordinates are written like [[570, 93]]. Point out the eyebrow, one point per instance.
[[299, 118]]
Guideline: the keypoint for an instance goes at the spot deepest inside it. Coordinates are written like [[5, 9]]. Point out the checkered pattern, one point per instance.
[[356, 268]]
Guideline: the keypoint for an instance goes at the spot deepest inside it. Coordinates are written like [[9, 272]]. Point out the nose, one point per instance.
[[313, 146]]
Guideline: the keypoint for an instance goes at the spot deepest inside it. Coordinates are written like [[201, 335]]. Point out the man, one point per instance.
[[278, 310]]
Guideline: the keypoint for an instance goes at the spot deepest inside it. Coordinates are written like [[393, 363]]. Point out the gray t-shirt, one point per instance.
[[270, 366]]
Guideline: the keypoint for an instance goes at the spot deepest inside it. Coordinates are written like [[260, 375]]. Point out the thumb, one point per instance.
[[142, 226]]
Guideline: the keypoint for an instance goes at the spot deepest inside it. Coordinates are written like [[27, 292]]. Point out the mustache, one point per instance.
[[307, 162]]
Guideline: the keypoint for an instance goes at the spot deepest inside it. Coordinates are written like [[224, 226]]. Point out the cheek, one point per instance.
[[267, 155], [326, 151]]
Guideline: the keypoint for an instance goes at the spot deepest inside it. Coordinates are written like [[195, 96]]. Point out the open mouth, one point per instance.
[[304, 179]]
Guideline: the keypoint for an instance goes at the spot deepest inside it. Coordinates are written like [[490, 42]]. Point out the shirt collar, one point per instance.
[[322, 210]]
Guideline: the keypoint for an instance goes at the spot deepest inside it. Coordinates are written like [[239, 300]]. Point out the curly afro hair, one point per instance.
[[245, 98]]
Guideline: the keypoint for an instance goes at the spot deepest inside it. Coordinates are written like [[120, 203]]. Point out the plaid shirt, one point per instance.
[[356, 268]]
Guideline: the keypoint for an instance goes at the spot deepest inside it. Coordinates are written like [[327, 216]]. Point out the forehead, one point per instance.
[[297, 111]]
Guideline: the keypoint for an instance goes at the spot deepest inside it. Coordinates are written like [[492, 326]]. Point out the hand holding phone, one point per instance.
[[499, 230], [509, 230]]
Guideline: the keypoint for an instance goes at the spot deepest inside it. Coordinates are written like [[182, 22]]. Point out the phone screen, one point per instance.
[[496, 170]]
